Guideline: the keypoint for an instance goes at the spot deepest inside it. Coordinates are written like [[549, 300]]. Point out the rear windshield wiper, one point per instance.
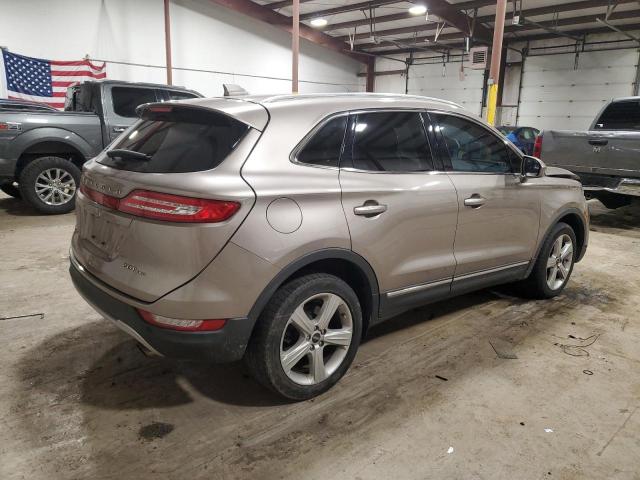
[[128, 155]]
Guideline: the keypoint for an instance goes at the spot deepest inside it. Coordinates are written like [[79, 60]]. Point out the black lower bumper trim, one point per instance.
[[225, 345]]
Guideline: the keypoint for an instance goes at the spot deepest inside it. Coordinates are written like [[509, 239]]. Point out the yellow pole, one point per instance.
[[496, 55], [492, 102]]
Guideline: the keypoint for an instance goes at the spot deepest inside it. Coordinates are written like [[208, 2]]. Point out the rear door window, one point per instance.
[[324, 148], [127, 99], [620, 116], [178, 141], [390, 142]]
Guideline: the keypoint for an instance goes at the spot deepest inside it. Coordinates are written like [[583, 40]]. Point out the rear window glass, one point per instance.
[[173, 95], [183, 140], [620, 116]]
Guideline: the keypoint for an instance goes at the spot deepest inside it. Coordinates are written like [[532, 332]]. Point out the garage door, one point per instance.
[[434, 81], [555, 96]]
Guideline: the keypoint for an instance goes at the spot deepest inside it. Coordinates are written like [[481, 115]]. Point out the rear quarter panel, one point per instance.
[[298, 208], [80, 130]]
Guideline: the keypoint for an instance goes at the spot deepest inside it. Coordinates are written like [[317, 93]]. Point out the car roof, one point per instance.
[[255, 110], [625, 99]]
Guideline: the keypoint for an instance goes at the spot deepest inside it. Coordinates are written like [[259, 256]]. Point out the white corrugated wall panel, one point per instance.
[[433, 81], [557, 96]]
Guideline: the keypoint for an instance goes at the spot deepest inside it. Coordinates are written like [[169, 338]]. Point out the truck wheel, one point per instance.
[[49, 184], [307, 336], [10, 189], [554, 265]]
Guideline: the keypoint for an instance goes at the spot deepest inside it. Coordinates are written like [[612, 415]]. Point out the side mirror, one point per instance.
[[532, 167]]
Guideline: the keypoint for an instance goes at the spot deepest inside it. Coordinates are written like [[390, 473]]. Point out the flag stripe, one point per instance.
[[58, 73], [46, 81], [62, 63]]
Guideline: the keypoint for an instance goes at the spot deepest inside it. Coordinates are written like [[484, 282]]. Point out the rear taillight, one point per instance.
[[163, 206], [99, 197], [182, 324], [537, 147], [174, 208]]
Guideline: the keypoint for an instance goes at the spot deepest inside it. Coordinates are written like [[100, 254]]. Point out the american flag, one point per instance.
[[45, 81]]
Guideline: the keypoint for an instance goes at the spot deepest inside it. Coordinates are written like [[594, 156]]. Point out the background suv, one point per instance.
[[279, 229]]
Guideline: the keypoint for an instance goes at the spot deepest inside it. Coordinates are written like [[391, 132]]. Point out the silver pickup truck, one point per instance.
[[42, 152], [606, 157]]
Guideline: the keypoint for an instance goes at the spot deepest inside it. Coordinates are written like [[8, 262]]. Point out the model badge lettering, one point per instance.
[[133, 268], [102, 187]]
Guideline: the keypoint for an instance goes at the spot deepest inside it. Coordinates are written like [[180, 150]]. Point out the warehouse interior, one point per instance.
[[488, 384]]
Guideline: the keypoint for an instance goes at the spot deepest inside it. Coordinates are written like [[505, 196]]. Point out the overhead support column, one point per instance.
[[167, 42], [496, 55], [295, 45], [371, 74]]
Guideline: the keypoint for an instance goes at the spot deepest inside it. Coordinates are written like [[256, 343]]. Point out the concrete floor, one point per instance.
[[78, 400]]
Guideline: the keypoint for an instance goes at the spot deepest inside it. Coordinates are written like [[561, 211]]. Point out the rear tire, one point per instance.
[[554, 264], [10, 189], [49, 184], [306, 337]]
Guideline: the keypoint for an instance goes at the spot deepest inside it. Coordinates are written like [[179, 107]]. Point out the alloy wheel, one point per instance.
[[55, 186], [316, 339], [559, 262]]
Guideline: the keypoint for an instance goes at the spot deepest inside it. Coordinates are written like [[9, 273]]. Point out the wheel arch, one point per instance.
[[343, 263], [575, 219], [53, 148]]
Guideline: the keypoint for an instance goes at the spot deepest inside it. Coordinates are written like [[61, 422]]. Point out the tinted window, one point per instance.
[[183, 140], [391, 142], [173, 95], [127, 99], [82, 98], [325, 146], [620, 116], [473, 148]]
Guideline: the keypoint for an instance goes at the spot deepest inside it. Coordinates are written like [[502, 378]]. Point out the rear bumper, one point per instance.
[[226, 345], [621, 186]]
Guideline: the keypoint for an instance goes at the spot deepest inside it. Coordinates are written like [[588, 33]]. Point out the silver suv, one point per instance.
[[279, 229]]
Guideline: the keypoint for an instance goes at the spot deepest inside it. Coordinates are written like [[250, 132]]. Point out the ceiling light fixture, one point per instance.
[[418, 10], [319, 22]]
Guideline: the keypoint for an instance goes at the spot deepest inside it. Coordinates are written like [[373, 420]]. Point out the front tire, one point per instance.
[[554, 265], [307, 336], [49, 184]]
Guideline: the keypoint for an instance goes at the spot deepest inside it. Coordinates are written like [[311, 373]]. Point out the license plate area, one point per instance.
[[101, 231]]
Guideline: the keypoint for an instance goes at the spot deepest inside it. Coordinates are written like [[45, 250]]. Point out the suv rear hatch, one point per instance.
[[161, 202]]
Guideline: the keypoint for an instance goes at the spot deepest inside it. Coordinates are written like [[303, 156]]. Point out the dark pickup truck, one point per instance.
[[606, 157], [42, 152]]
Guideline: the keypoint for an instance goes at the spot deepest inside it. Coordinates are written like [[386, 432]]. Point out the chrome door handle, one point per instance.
[[370, 209], [119, 129], [475, 201]]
